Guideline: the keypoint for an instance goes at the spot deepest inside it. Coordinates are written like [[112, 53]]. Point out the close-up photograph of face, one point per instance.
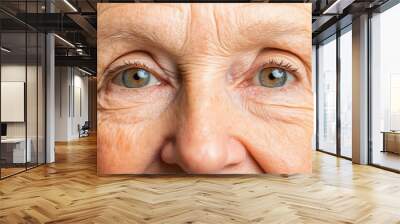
[[204, 88]]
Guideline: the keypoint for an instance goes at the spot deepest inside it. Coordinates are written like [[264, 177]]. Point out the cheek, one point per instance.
[[279, 135], [128, 143], [117, 144], [280, 146]]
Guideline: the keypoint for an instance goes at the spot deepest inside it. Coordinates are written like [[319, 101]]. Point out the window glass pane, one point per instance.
[[327, 96], [41, 97], [346, 93], [314, 86], [31, 97]]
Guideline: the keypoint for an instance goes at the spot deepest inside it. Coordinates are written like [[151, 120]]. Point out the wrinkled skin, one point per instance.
[[206, 115]]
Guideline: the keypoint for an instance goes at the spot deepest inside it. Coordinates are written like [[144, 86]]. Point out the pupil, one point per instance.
[[271, 76], [136, 76]]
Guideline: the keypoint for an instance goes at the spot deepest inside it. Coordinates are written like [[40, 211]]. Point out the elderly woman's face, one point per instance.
[[204, 88]]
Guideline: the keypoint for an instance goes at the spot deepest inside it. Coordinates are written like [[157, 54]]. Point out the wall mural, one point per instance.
[[204, 88]]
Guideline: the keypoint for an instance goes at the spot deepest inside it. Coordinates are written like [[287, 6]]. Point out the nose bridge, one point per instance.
[[200, 136], [201, 103]]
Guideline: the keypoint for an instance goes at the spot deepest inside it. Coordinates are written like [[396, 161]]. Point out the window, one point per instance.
[[385, 89], [346, 75], [327, 95]]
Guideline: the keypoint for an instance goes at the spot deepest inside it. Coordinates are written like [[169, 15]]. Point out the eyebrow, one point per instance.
[[130, 28], [256, 26]]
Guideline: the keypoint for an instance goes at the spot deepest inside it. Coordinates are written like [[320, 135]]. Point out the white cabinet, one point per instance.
[[19, 155]]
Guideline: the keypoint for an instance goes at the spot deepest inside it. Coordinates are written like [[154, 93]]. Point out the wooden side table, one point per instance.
[[391, 141]]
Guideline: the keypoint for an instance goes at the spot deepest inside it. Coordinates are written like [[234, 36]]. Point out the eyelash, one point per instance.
[[127, 64], [281, 64]]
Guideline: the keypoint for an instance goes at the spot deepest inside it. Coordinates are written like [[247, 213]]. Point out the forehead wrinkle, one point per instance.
[[103, 7], [258, 24], [202, 33], [253, 22], [141, 21]]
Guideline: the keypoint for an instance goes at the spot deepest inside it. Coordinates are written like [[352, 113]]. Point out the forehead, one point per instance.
[[142, 21], [204, 28]]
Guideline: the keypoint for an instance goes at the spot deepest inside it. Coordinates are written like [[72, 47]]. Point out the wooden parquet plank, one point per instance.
[[69, 191]]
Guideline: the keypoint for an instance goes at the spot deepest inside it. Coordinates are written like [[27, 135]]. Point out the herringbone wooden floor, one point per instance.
[[69, 191]]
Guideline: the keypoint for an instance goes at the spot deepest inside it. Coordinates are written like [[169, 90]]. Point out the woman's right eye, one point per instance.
[[135, 78]]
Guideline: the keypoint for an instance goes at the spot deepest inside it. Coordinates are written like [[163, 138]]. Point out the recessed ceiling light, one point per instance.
[[337, 7], [70, 5], [5, 50], [84, 71], [65, 41]]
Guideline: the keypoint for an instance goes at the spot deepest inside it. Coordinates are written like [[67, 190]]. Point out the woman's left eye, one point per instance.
[[135, 78], [272, 77]]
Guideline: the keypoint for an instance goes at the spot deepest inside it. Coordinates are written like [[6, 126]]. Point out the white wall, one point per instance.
[[12, 73], [61, 103], [71, 94], [81, 103], [12, 101]]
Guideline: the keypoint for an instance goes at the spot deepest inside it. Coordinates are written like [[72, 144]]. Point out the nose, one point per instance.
[[204, 156], [202, 142]]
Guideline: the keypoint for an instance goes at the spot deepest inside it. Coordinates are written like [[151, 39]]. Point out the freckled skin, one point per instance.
[[207, 115]]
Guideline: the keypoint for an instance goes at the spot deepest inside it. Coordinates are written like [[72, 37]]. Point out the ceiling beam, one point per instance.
[[337, 7], [84, 24]]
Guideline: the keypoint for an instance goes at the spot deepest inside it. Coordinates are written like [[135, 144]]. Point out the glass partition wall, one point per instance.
[[13, 90], [22, 88], [334, 93]]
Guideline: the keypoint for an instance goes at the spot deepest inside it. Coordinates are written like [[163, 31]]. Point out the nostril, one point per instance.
[[167, 153], [215, 154]]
